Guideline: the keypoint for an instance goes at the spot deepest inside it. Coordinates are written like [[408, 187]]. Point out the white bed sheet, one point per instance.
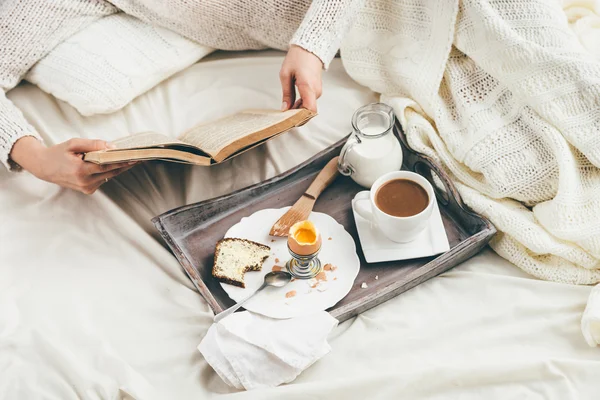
[[92, 306]]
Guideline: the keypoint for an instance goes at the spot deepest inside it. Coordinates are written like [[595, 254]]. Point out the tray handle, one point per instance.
[[446, 192]]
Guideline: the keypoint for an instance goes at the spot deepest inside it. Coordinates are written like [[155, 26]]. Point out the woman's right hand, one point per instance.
[[62, 164]]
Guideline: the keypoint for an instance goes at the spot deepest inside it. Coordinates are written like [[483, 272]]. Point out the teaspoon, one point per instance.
[[275, 278]]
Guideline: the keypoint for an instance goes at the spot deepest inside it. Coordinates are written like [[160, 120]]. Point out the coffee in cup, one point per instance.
[[401, 203], [401, 198]]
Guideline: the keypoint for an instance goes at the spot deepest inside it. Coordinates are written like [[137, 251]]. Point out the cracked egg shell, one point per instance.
[[304, 239]]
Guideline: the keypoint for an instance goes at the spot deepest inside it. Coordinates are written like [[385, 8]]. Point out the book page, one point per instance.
[[214, 136], [144, 140]]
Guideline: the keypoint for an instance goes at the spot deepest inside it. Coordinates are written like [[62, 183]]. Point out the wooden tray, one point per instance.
[[192, 231]]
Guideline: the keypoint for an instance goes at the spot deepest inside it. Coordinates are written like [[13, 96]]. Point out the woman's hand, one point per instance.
[[62, 164], [300, 69]]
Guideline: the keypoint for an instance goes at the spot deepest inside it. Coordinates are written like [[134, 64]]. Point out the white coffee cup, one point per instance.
[[397, 229]]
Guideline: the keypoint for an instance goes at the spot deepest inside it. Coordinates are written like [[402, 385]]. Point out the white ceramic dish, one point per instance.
[[378, 248], [272, 302]]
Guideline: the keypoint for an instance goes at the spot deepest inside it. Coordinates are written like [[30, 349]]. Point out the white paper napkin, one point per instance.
[[590, 321], [250, 351]]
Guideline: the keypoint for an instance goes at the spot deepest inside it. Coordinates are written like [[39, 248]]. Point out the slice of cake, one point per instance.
[[233, 257]]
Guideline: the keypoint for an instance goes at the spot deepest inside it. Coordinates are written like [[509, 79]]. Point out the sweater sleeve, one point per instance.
[[324, 26], [13, 127], [30, 29]]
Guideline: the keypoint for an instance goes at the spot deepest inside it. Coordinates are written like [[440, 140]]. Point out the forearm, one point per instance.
[[62, 163], [27, 153], [325, 25]]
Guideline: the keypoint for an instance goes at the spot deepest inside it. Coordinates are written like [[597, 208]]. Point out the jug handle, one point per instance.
[[344, 166]]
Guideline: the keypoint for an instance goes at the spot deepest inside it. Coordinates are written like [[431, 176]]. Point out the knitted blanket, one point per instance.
[[507, 99]]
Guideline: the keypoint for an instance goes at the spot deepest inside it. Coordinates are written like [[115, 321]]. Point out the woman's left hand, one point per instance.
[[301, 69]]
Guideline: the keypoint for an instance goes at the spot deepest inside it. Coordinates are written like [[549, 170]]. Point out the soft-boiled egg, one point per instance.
[[304, 239]]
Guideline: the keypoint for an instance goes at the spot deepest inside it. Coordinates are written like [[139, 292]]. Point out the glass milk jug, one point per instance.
[[372, 150]]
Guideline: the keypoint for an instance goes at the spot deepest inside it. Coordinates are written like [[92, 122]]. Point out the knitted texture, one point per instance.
[[318, 25], [103, 67], [30, 29], [505, 97]]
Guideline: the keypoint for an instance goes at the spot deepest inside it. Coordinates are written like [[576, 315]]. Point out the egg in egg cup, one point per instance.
[[304, 243]]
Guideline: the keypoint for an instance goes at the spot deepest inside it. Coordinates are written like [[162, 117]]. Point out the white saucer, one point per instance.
[[378, 248]]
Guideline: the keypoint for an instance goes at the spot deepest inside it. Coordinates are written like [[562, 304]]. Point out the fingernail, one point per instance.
[[110, 146], [284, 106]]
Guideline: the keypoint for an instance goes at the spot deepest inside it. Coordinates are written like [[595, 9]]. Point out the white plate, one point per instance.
[[378, 248], [272, 302]]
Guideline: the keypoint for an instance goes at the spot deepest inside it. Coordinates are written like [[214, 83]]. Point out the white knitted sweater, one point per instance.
[[506, 98], [500, 92], [30, 29]]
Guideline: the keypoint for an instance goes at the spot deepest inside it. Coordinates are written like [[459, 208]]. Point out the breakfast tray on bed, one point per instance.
[[192, 231]]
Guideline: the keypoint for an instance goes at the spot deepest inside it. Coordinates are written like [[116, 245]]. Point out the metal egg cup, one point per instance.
[[304, 267]]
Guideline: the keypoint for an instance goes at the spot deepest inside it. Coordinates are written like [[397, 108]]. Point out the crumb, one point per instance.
[[376, 277], [335, 279], [293, 279], [364, 285], [272, 240], [277, 268], [277, 260], [321, 276], [290, 300], [329, 238], [329, 267], [322, 287], [312, 283], [289, 294]]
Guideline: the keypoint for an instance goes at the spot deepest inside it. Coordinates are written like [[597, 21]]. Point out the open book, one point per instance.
[[208, 143]]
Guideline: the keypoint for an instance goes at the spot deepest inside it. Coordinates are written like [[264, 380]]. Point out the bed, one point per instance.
[[93, 306]]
